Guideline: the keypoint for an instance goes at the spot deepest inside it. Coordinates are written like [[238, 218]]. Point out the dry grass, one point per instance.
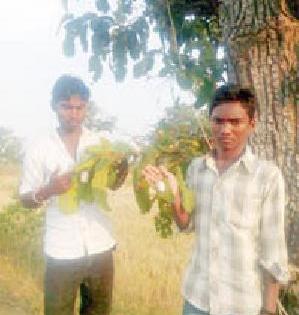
[[148, 269], [19, 295], [9, 180]]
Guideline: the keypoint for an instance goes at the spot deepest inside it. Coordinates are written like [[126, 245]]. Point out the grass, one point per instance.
[[148, 269], [19, 294], [9, 180]]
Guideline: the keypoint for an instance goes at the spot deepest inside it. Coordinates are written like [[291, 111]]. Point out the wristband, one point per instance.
[[266, 312]]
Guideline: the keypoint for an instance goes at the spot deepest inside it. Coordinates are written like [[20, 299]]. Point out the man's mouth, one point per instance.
[[226, 139]]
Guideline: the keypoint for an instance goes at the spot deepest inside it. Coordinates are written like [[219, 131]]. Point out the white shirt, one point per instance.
[[67, 236], [239, 230]]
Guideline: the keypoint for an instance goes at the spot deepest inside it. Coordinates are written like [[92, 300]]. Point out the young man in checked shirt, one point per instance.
[[78, 247], [239, 258]]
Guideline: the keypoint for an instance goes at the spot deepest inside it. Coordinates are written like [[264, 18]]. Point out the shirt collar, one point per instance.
[[245, 161]]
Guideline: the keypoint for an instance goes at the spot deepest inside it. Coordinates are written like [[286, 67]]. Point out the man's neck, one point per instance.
[[69, 133], [224, 159], [70, 138]]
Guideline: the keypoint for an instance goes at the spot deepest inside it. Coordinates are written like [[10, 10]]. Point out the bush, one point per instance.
[[21, 237]]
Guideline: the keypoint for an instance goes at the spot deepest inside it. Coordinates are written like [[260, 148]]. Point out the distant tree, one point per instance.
[[94, 121], [9, 146], [183, 120], [181, 135]]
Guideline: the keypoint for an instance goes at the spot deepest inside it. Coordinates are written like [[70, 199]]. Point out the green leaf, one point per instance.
[[68, 202], [69, 45], [83, 37], [184, 82], [101, 199], [144, 66], [133, 44], [100, 39], [125, 6], [102, 5], [141, 191], [95, 67]]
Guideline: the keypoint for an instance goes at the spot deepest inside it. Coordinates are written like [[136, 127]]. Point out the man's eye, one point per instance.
[[69, 107], [235, 122], [232, 121], [217, 121]]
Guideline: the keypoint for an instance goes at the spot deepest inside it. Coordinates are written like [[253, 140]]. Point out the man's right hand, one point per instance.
[[155, 174], [58, 184]]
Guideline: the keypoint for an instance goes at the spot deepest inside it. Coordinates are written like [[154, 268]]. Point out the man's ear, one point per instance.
[[253, 121]]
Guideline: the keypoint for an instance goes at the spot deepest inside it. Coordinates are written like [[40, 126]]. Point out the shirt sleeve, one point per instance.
[[32, 172], [273, 256]]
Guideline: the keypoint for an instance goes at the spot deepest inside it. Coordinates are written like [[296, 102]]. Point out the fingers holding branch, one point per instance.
[[156, 174], [152, 174]]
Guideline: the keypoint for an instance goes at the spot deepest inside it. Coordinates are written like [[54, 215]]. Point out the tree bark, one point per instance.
[[261, 38]]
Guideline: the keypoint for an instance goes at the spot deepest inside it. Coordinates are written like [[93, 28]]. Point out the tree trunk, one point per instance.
[[261, 39]]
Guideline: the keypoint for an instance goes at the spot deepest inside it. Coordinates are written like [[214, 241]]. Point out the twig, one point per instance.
[[281, 309], [208, 142], [174, 43]]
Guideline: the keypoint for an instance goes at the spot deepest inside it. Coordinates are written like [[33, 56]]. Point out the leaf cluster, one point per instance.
[[97, 171], [174, 143], [107, 34], [189, 35]]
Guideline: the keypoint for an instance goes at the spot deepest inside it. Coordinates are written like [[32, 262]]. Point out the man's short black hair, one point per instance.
[[67, 86], [235, 93]]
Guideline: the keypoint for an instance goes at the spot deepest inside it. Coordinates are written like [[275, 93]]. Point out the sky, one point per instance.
[[31, 60]]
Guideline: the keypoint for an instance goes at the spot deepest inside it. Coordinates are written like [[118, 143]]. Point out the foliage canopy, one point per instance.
[[186, 47]]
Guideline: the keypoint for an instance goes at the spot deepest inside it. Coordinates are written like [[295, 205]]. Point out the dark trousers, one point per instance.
[[64, 277]]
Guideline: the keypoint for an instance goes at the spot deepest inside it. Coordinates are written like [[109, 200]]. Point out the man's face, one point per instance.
[[71, 112], [231, 127]]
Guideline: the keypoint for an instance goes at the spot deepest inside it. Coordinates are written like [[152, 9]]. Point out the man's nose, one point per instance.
[[225, 127], [74, 111]]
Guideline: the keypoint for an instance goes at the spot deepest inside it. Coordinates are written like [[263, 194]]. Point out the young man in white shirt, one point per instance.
[[78, 247], [239, 257]]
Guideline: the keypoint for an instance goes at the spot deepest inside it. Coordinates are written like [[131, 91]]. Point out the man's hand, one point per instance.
[[155, 174], [152, 175], [58, 184], [270, 295]]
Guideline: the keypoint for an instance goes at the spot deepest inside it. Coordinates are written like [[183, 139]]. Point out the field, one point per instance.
[[148, 269]]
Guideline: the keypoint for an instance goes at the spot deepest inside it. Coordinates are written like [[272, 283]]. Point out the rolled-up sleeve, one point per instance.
[[273, 254]]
